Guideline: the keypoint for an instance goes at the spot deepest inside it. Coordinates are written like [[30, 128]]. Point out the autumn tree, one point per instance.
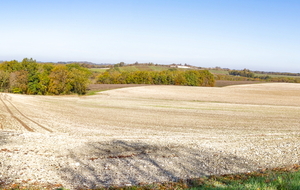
[[18, 82], [169, 77], [59, 80], [10, 66], [78, 78], [44, 78], [30, 77], [4, 80]]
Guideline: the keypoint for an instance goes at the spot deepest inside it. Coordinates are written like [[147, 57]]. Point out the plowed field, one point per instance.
[[148, 134]]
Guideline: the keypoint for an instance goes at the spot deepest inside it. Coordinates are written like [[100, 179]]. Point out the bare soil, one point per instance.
[[102, 87], [222, 83], [218, 83], [148, 134]]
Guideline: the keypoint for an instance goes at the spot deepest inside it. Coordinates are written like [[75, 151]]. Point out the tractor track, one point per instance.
[[29, 118], [4, 98], [13, 116]]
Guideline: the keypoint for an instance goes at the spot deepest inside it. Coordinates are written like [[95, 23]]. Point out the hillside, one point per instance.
[[256, 76], [148, 134], [138, 67]]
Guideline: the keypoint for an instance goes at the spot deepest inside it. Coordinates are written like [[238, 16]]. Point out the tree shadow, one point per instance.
[[121, 163], [4, 138]]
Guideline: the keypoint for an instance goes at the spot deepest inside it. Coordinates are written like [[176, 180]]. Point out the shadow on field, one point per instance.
[[130, 163], [4, 138]]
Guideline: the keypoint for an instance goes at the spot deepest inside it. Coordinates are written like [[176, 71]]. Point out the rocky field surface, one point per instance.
[[147, 134]]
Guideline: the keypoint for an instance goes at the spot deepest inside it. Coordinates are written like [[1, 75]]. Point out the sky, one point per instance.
[[254, 34]]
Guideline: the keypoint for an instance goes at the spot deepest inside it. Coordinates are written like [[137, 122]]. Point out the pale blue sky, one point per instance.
[[236, 34]]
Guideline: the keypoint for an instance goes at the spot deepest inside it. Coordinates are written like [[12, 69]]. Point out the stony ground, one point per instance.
[[147, 134]]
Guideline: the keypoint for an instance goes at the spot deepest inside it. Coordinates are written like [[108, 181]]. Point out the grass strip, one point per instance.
[[287, 178]]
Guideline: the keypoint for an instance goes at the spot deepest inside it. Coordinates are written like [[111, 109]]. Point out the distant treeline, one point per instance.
[[255, 72], [169, 77], [243, 73], [265, 78], [246, 74], [276, 73], [30, 77]]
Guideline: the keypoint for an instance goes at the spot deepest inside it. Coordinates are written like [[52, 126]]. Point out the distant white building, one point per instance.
[[180, 66], [183, 67]]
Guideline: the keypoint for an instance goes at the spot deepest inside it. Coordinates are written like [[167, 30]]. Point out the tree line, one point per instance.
[[243, 73], [30, 77], [246, 74], [168, 77], [277, 73], [256, 78]]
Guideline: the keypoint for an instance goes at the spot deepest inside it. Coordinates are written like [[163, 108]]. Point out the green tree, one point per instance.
[[78, 78], [31, 66], [44, 78], [243, 73]]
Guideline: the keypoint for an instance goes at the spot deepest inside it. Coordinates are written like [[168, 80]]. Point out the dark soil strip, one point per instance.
[[29, 118], [101, 87], [20, 121], [221, 83], [218, 83]]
